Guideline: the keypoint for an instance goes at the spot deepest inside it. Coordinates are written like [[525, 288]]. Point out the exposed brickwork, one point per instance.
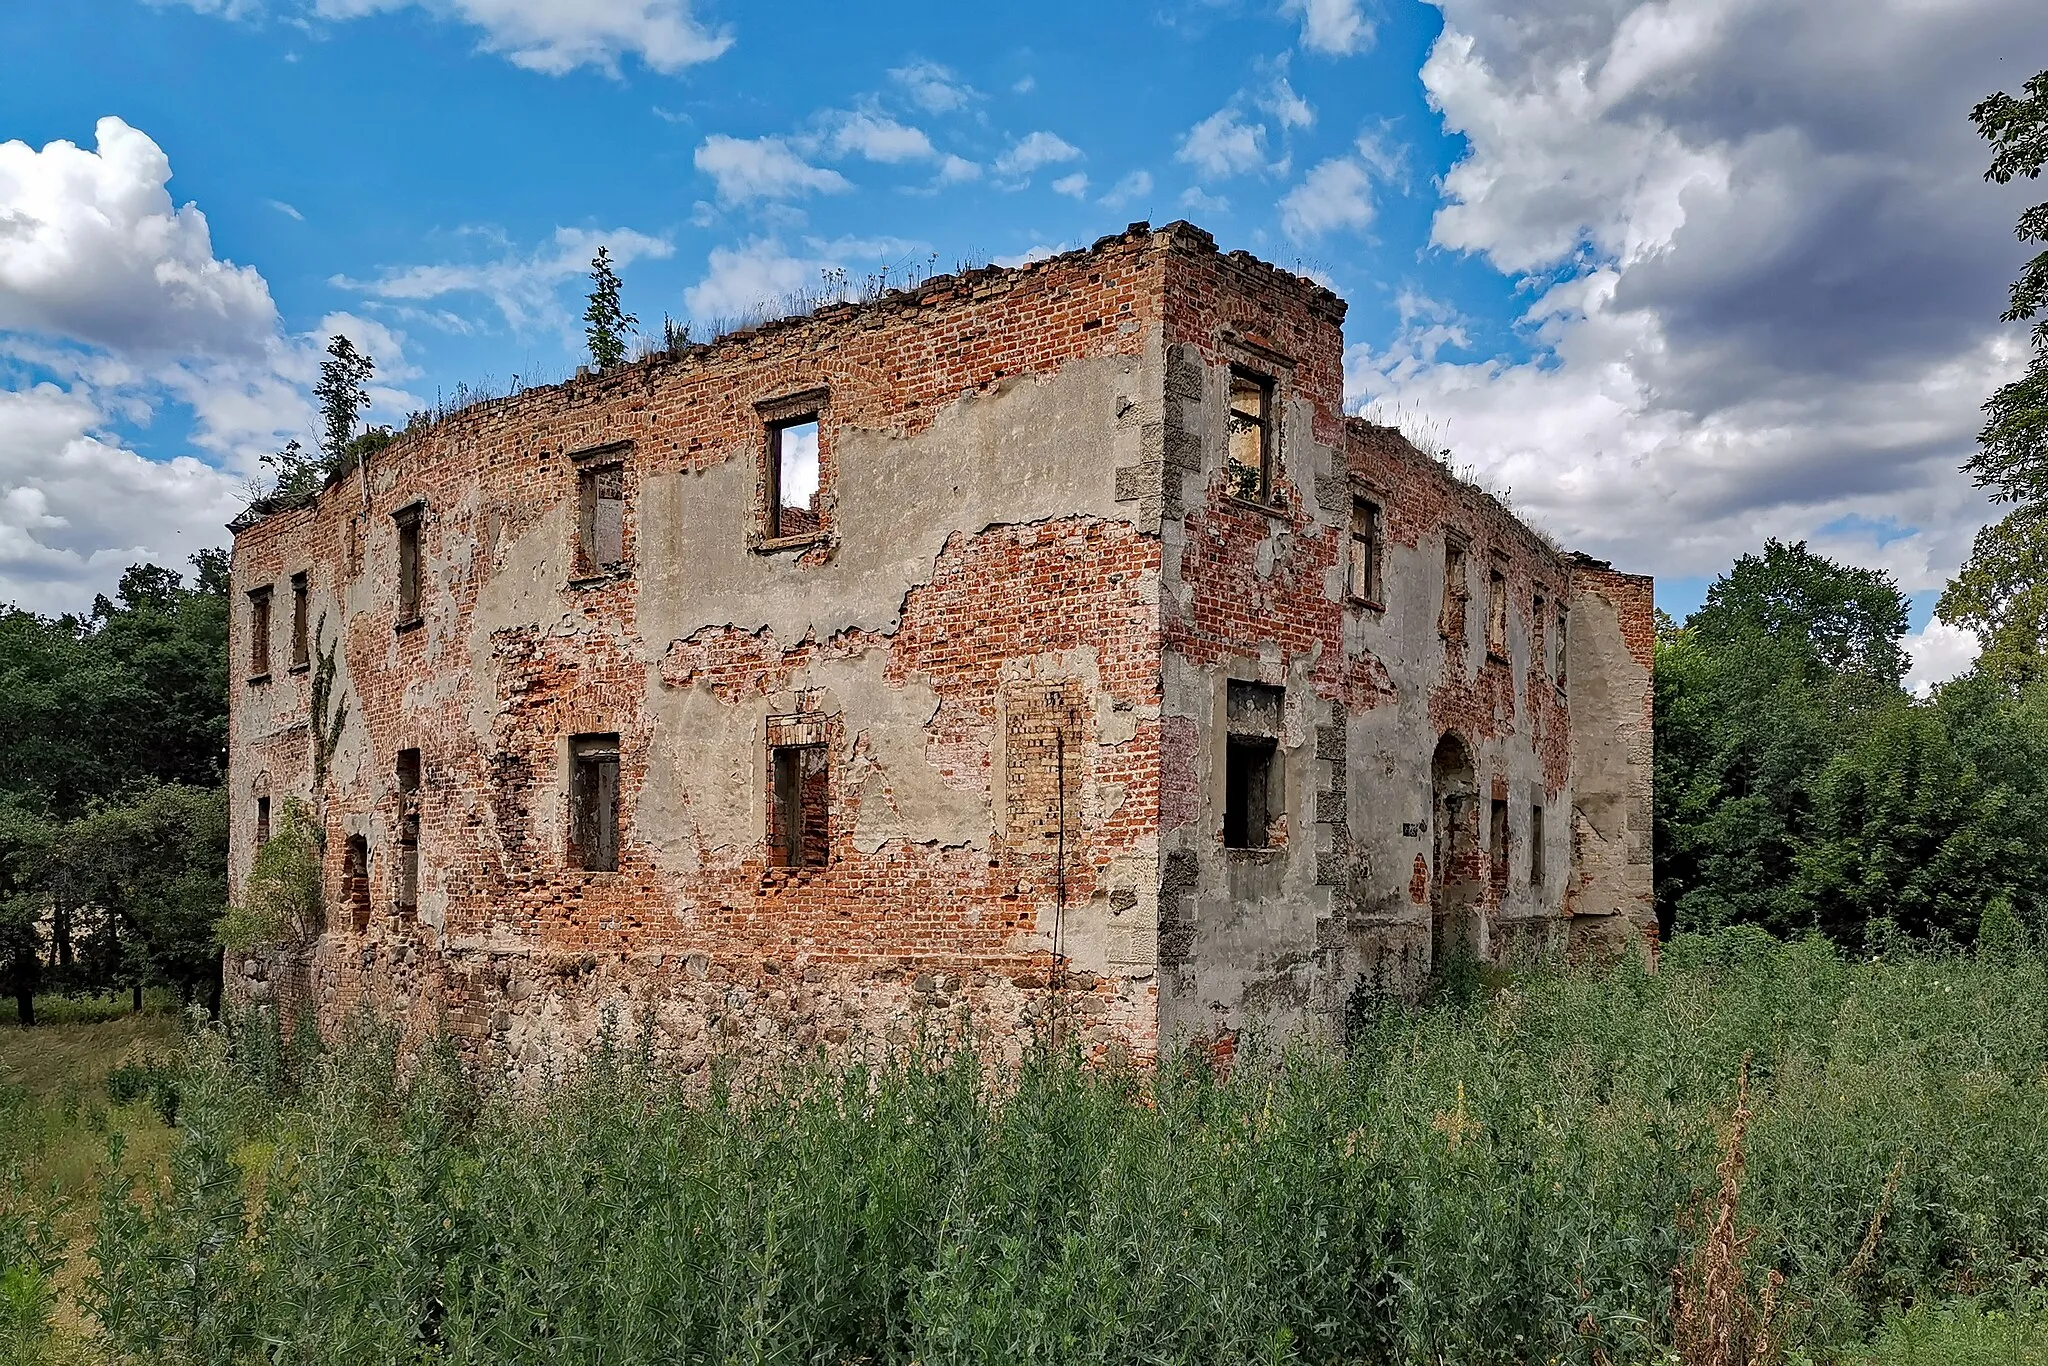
[[1003, 626]]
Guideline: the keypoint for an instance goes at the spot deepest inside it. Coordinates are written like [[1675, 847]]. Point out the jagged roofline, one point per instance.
[[956, 286]]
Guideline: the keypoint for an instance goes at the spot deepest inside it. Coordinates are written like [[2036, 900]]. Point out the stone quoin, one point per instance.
[[1039, 646]]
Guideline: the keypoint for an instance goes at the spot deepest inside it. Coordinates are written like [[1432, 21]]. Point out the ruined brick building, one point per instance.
[[1037, 639]]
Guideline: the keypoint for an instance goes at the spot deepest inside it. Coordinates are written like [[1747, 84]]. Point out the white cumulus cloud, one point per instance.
[[1336, 27], [92, 249], [933, 88], [1763, 268], [1224, 145], [763, 168], [524, 287], [1036, 150], [1336, 194], [551, 36], [879, 138]]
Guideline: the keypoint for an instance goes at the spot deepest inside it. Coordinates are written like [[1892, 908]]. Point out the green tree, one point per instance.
[[1753, 699], [607, 318], [1999, 591], [25, 841], [343, 395]]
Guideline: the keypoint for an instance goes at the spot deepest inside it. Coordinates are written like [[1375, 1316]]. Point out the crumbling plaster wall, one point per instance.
[[986, 542], [1277, 938], [1613, 648]]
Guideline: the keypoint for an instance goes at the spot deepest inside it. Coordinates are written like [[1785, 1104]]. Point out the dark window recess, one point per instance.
[[1497, 612], [1564, 641], [1251, 436], [1536, 845], [1252, 802], [601, 503], [594, 803], [799, 806], [793, 480], [259, 632], [1497, 835], [262, 821], [1248, 792], [408, 520], [407, 897], [301, 654], [1538, 645], [355, 881], [1362, 570], [1452, 623]]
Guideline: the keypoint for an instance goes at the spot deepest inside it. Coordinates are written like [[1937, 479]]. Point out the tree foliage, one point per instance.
[[342, 393], [606, 317], [281, 903], [112, 826], [1798, 788]]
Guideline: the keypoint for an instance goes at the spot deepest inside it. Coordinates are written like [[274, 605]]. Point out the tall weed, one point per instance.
[[1499, 1180]]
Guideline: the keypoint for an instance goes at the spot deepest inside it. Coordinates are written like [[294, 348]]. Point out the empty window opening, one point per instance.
[[601, 516], [1536, 876], [799, 806], [793, 478], [1452, 622], [259, 633], [1248, 798], [407, 896], [1497, 835], [1539, 645], [262, 821], [355, 881], [594, 803], [1253, 807], [1564, 641], [1251, 435], [408, 520], [1497, 611], [301, 654], [1362, 570]]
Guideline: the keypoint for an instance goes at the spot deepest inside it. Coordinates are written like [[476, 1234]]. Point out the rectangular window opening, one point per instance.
[[407, 898], [1452, 623], [594, 803], [601, 506], [1563, 644], [1497, 835], [1363, 569], [1539, 646], [1253, 805], [1251, 436], [1497, 612], [1536, 876], [793, 478], [799, 806], [262, 821], [259, 633], [408, 520], [1248, 792], [301, 650]]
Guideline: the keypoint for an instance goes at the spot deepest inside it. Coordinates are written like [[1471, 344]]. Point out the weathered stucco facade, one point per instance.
[[1067, 697]]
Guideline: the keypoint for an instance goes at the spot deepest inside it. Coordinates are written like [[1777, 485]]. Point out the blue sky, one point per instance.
[[1675, 275]]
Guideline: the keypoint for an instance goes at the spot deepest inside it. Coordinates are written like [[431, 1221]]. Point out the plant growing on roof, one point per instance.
[[343, 394], [607, 318]]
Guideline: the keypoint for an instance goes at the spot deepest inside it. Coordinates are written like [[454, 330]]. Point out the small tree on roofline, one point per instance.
[[607, 318], [343, 393]]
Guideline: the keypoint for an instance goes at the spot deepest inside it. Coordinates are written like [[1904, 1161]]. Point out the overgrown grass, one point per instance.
[[56, 1120], [1508, 1181]]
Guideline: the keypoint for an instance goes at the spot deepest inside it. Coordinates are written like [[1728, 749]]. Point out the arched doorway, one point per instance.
[[1456, 885]]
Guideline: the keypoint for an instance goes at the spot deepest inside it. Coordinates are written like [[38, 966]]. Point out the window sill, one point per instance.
[[774, 545], [301, 668], [254, 679], [1494, 656], [781, 874], [412, 624], [1263, 508], [1367, 604], [1264, 854], [610, 574]]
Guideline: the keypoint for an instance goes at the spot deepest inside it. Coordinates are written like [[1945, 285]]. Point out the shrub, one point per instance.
[[282, 903]]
